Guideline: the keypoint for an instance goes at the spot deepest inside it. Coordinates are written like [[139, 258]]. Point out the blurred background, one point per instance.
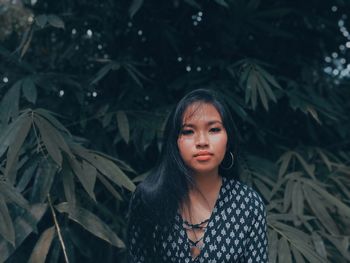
[[85, 88]]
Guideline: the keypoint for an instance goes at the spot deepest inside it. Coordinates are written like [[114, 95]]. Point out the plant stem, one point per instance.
[[58, 230]]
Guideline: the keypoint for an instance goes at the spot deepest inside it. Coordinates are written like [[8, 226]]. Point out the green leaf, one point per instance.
[[27, 176], [273, 242], [11, 194], [342, 207], [86, 174], [6, 226], [263, 189], [8, 134], [68, 185], [262, 94], [29, 90], [284, 160], [194, 4], [109, 187], [135, 7], [52, 139], [123, 126], [42, 247], [44, 178], [297, 199], [91, 223], [266, 86], [55, 21], [41, 20], [300, 240], [14, 149], [107, 168], [319, 244], [288, 195], [325, 159], [9, 105], [23, 227], [49, 116], [222, 3], [102, 72], [284, 253], [316, 204], [297, 256]]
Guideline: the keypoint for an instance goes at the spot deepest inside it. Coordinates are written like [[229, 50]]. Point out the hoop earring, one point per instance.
[[232, 162]]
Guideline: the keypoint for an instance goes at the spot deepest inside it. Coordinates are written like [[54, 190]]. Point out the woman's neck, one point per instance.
[[205, 183]]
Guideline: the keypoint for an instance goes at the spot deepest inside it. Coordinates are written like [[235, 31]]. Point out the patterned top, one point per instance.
[[236, 232]]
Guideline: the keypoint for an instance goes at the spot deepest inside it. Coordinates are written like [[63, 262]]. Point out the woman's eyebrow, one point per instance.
[[191, 125]]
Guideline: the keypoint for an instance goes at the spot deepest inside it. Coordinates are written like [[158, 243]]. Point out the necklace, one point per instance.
[[196, 245], [200, 225]]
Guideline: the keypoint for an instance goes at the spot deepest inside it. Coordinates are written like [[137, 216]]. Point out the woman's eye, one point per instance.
[[215, 129], [186, 132]]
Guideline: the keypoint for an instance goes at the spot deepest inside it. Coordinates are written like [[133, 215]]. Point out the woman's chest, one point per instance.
[[224, 240]]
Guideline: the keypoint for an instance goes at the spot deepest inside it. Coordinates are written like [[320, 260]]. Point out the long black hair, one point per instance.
[[158, 197]]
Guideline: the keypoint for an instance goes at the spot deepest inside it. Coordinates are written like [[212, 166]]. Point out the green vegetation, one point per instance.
[[85, 87]]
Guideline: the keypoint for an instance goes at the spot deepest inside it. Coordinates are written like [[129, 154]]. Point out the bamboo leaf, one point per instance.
[[52, 139], [343, 208], [284, 253], [123, 126], [262, 95], [193, 3], [301, 241], [9, 105], [12, 195], [319, 245], [14, 149], [297, 256], [29, 90], [107, 168], [91, 223], [325, 159], [269, 77], [86, 174], [42, 247], [263, 189], [297, 199], [273, 243], [341, 243], [285, 160], [109, 187], [55, 21], [23, 227], [309, 168], [68, 185], [266, 86], [222, 3], [41, 20], [317, 206], [43, 181], [288, 195], [26, 177], [6, 227], [49, 116], [102, 73], [135, 7]]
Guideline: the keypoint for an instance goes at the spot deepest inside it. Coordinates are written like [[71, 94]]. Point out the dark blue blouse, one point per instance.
[[236, 232]]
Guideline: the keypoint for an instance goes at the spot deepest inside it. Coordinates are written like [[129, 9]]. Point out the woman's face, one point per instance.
[[203, 138]]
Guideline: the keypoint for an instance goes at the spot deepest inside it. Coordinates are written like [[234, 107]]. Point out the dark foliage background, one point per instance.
[[85, 88]]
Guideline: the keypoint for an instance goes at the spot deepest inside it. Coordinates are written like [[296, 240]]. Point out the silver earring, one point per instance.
[[232, 162]]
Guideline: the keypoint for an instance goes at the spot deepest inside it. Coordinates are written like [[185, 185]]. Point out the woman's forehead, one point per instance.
[[199, 111]]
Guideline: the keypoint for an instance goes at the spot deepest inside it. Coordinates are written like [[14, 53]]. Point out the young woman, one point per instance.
[[192, 208]]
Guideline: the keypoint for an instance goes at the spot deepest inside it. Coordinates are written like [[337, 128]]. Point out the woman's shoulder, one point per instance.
[[243, 193]]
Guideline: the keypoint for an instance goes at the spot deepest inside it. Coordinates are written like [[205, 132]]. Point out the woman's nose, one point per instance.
[[202, 140]]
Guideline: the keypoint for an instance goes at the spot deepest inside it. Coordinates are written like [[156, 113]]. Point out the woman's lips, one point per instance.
[[203, 156]]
